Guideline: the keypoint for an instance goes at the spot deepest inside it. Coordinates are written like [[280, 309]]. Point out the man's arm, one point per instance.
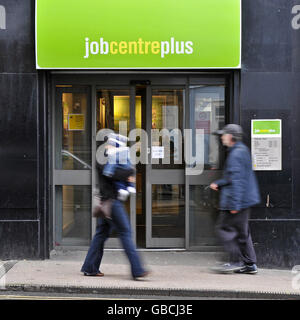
[[220, 183], [122, 173], [235, 170]]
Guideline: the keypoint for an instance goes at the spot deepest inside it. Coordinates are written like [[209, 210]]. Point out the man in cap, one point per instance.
[[238, 193]]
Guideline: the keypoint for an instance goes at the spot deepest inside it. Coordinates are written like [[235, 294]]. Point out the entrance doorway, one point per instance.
[[158, 209], [171, 209]]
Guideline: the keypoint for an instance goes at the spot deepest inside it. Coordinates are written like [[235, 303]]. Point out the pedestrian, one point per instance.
[[119, 220], [238, 193], [118, 157]]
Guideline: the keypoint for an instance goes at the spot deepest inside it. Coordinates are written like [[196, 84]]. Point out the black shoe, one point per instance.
[[248, 269], [99, 274], [143, 275], [227, 268]]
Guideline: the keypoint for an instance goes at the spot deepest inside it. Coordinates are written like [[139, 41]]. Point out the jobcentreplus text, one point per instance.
[[139, 47]]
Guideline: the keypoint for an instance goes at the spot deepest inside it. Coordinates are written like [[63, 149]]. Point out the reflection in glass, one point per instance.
[[76, 215], [167, 113], [208, 113], [168, 211], [113, 106], [76, 136], [203, 213]]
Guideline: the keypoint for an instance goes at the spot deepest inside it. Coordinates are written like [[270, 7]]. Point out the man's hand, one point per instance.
[[214, 186], [131, 179], [233, 211]]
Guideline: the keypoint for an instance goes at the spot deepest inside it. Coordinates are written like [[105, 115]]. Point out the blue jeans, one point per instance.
[[104, 227]]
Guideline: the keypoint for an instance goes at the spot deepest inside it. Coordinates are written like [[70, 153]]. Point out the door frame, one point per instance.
[[93, 80], [160, 176], [113, 242], [62, 177]]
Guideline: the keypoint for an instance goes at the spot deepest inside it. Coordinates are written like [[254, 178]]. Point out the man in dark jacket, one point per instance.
[[238, 193]]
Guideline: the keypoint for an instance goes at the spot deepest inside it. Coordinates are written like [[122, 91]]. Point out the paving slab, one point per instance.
[[171, 273]]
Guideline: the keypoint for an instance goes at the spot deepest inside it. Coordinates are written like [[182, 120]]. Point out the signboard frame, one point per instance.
[[266, 144], [80, 64]]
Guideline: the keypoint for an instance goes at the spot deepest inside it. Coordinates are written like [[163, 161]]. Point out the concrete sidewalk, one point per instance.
[[178, 273]]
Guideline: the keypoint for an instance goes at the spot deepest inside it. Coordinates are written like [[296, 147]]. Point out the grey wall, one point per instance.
[[270, 89], [20, 219]]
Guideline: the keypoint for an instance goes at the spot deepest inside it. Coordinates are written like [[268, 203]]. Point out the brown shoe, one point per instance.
[[99, 274]]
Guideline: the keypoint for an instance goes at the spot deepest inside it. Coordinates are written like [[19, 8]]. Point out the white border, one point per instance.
[[239, 66], [263, 136]]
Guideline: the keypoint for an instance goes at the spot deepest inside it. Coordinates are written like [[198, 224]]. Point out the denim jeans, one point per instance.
[[104, 227]]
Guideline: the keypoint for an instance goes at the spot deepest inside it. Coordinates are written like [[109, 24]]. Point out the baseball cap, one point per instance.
[[234, 129]]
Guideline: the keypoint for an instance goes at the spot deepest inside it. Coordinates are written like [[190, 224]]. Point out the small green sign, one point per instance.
[[118, 34], [264, 127]]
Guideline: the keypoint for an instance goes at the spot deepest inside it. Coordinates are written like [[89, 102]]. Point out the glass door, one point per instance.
[[206, 112], [72, 166], [114, 112], [165, 189]]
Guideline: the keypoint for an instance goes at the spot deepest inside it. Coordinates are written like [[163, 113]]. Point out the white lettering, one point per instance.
[[172, 45], [180, 47], [86, 48], [124, 310], [94, 47], [165, 48], [296, 18], [103, 46], [296, 278], [171, 140], [189, 47], [173, 309], [2, 18]]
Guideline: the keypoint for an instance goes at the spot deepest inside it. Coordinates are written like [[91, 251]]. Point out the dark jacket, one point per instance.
[[107, 186], [238, 186]]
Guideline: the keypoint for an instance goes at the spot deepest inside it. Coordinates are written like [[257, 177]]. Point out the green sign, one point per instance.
[[127, 34], [263, 127]]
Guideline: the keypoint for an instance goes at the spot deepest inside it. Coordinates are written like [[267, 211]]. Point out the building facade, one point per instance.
[[50, 117]]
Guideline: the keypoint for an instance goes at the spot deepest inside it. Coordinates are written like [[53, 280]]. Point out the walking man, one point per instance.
[[238, 193]]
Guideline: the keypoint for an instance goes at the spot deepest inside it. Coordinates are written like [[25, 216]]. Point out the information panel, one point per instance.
[[266, 144]]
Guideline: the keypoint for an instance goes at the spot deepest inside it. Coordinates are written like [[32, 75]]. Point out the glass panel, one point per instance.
[[76, 134], [138, 122], [167, 111], [203, 213], [140, 100], [208, 113], [76, 213], [138, 112], [113, 106], [168, 211]]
